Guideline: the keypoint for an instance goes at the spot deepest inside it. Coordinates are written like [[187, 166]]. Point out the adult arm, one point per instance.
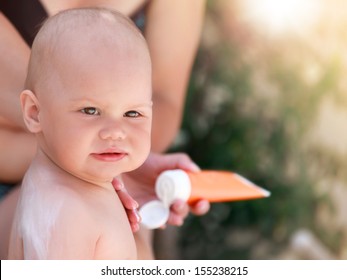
[[17, 147], [14, 57], [172, 32]]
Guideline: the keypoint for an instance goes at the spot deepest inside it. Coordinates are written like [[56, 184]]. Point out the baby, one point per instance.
[[88, 100]]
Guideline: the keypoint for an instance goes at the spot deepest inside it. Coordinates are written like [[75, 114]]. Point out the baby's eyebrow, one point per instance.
[[146, 104], [83, 98]]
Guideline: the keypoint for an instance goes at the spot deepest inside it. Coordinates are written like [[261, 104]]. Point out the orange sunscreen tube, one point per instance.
[[214, 186]]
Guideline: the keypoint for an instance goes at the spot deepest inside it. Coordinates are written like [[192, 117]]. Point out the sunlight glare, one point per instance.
[[283, 15]]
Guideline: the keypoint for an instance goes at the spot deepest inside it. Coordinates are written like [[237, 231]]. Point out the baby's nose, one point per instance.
[[112, 132]]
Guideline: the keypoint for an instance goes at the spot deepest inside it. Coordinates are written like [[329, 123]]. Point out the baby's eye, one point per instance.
[[90, 111], [132, 114]]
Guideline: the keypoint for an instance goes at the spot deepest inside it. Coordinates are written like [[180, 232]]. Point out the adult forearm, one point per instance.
[[16, 152], [10, 111], [167, 118], [14, 55]]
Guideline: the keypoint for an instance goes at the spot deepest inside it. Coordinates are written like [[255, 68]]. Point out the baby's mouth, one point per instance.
[[109, 156]]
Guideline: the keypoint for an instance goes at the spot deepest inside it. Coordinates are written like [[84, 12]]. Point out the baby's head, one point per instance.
[[88, 93], [76, 37]]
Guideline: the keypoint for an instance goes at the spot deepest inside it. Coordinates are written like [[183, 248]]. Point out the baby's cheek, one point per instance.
[[143, 152]]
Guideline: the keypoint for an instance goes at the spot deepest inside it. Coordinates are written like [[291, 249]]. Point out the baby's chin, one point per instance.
[[104, 176], [101, 178]]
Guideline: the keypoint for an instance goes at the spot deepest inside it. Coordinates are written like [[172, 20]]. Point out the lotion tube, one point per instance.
[[214, 186]]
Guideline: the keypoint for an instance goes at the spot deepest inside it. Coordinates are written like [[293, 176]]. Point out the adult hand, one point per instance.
[[130, 205], [140, 184]]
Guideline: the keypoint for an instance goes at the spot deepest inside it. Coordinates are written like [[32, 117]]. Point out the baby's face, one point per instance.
[[96, 114]]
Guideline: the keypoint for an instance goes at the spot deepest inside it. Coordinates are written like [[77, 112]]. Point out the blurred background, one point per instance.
[[268, 100]]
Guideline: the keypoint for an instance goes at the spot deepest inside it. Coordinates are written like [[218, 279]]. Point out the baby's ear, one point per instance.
[[30, 108]]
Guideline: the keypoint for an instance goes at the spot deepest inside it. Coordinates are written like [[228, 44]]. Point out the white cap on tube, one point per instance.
[[172, 185], [154, 214]]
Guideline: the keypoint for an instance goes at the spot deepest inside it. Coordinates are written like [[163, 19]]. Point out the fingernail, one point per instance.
[[163, 227], [136, 205], [194, 167], [138, 217], [135, 228], [180, 223], [179, 205], [203, 207]]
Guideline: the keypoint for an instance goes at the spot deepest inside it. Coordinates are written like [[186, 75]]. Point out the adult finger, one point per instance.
[[127, 201], [200, 208], [134, 219]]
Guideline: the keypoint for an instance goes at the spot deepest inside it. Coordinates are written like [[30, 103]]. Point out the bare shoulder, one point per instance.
[[99, 220], [53, 223], [60, 222], [74, 230]]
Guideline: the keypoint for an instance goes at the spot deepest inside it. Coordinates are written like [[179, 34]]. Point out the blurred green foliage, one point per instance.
[[229, 125]]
